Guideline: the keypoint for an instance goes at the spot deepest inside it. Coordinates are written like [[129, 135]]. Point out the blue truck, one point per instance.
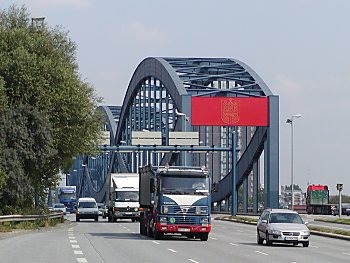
[[174, 200], [67, 196]]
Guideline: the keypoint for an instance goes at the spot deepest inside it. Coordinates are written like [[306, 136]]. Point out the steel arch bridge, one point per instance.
[[158, 98]]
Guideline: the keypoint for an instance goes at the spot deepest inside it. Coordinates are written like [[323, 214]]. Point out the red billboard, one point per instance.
[[229, 111]]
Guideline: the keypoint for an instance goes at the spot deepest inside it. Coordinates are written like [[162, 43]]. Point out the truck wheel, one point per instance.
[[156, 234], [142, 227], [96, 219], [109, 218], [204, 236], [77, 218], [149, 230]]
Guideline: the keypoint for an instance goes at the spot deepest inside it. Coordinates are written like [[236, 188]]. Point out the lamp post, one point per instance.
[[290, 120], [185, 125]]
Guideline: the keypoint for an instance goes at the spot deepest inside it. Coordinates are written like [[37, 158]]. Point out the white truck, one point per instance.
[[123, 197]]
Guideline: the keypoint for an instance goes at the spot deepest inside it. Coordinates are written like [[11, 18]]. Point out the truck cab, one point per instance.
[[175, 200]]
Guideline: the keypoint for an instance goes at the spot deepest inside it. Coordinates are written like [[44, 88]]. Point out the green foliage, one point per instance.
[[49, 113], [334, 199]]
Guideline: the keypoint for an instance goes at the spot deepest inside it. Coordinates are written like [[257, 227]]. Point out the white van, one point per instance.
[[86, 209]]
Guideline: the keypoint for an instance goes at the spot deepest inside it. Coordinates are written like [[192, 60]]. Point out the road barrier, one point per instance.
[[19, 218]]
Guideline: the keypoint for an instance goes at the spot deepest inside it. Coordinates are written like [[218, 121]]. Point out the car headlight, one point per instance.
[[275, 232], [306, 233]]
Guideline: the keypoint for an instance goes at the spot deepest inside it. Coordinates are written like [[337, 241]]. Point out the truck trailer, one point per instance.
[[67, 196], [317, 200], [123, 197], [175, 200]]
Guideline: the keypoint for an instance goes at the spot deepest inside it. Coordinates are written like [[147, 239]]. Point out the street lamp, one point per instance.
[[185, 120], [290, 120]]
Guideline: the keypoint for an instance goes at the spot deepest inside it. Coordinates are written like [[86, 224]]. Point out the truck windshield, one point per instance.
[[67, 196], [127, 196], [181, 185]]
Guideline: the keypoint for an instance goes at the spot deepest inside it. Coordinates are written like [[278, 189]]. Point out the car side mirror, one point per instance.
[[306, 223], [264, 221]]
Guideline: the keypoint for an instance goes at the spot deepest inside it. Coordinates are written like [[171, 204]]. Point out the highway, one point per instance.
[[94, 242]]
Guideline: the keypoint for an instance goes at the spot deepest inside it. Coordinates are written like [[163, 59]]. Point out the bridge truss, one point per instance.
[[158, 98]]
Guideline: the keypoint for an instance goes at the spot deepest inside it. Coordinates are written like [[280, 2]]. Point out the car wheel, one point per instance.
[[96, 219], [259, 240], [77, 219], [268, 241], [306, 244]]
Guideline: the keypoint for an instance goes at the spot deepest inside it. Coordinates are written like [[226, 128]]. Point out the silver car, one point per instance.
[[282, 226]]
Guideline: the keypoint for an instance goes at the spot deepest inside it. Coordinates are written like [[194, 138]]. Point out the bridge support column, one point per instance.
[[271, 156], [255, 186], [245, 195]]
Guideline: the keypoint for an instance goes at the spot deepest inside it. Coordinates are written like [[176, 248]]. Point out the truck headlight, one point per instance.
[[136, 209], [162, 220], [204, 220], [165, 209]]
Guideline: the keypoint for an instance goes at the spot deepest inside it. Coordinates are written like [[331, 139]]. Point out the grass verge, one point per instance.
[[334, 220], [29, 225]]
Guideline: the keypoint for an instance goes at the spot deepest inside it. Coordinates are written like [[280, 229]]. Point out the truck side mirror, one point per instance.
[[151, 186]]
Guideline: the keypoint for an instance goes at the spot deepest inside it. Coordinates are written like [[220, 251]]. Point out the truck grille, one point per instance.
[[186, 220], [185, 210]]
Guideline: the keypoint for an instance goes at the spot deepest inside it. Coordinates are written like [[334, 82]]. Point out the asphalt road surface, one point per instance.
[[94, 242]]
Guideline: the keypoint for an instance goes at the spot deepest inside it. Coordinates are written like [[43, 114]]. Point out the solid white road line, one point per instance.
[[262, 253], [172, 250]]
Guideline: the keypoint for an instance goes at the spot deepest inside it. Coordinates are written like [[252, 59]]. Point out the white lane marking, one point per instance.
[[192, 260], [78, 252], [233, 244], [172, 250], [313, 246], [71, 237], [213, 238], [82, 260], [70, 229], [73, 241], [348, 254], [75, 246], [262, 253], [241, 231], [155, 242], [70, 234]]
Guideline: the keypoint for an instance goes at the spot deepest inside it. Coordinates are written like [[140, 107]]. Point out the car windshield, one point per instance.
[[127, 196], [285, 218], [59, 206], [87, 205]]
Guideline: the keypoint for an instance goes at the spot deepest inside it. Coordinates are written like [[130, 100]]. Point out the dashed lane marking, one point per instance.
[[348, 254], [213, 238], [233, 244], [155, 242], [262, 253], [73, 241], [82, 260], [192, 260], [172, 250], [75, 246], [71, 237], [78, 252]]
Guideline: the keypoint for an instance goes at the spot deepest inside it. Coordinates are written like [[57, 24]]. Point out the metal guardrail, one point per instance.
[[19, 218]]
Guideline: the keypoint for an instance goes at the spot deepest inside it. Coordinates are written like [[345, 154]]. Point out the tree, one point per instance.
[[39, 69]]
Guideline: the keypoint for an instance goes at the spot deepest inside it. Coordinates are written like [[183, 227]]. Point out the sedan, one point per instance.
[[282, 226]]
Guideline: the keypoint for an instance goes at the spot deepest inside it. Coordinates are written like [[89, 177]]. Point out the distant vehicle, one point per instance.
[[59, 208], [282, 226], [345, 209], [101, 208], [67, 196], [123, 197], [86, 209], [317, 200]]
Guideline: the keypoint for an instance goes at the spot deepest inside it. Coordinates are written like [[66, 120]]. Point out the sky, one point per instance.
[[300, 48]]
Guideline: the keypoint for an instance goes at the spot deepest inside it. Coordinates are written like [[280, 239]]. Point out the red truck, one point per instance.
[[317, 200]]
